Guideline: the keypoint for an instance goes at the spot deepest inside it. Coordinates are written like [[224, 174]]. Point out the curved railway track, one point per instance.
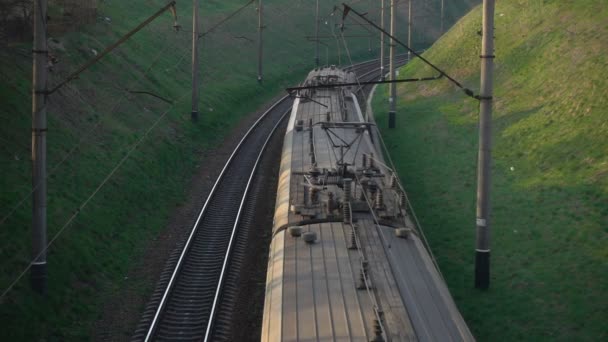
[[198, 277]]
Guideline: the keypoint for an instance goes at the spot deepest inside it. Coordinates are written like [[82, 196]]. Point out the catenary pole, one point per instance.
[[317, 35], [260, 41], [442, 16], [382, 39], [482, 251], [409, 30], [369, 40], [38, 271], [393, 96], [195, 61]]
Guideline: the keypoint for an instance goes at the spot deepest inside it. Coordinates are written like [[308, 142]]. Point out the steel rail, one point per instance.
[[154, 324], [218, 291], [236, 224], [180, 261]]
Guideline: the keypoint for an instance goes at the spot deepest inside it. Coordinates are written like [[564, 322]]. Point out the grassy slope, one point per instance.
[[550, 172], [95, 252], [90, 259]]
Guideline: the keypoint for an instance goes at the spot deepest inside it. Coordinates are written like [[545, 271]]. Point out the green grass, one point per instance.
[[550, 169], [90, 260]]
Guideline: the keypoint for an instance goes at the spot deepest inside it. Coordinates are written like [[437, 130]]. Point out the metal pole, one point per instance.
[[260, 42], [442, 16], [482, 251], [393, 96], [409, 30], [369, 40], [317, 35], [39, 127], [195, 38], [382, 40]]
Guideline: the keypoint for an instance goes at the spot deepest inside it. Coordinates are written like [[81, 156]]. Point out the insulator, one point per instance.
[[347, 189], [330, 202], [394, 181], [377, 331], [364, 160], [353, 238], [365, 264], [306, 196], [372, 161], [328, 117], [346, 212], [379, 203], [362, 285], [313, 159], [402, 200]]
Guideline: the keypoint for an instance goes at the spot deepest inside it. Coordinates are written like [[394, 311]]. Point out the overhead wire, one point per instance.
[[113, 171], [227, 18], [92, 195], [352, 65], [402, 189], [457, 83], [409, 203], [331, 148], [105, 180], [84, 137]]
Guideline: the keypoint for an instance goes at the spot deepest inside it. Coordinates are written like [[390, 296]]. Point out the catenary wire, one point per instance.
[[92, 195], [82, 139]]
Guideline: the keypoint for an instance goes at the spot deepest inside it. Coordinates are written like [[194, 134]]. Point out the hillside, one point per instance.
[[550, 168], [95, 121]]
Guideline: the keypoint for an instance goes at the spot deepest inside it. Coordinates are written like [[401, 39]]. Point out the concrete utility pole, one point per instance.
[[442, 16], [382, 40], [317, 35], [260, 42], [409, 30], [369, 40], [195, 62], [482, 251], [39, 127], [393, 96]]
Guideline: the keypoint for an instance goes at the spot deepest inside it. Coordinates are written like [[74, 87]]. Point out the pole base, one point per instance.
[[391, 120], [482, 269], [39, 278], [194, 116]]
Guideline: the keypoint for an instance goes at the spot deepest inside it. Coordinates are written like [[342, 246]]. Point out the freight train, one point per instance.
[[346, 261]]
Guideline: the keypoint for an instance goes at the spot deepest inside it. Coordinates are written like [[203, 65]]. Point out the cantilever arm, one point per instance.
[[110, 48]]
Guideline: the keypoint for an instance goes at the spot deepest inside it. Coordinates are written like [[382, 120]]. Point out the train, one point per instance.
[[346, 261]]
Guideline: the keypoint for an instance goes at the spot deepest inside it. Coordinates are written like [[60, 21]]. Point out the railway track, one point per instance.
[[195, 295]]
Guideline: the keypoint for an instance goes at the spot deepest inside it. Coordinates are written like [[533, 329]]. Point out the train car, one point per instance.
[[346, 261]]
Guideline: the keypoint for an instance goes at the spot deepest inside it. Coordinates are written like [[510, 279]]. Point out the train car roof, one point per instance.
[[315, 290]]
